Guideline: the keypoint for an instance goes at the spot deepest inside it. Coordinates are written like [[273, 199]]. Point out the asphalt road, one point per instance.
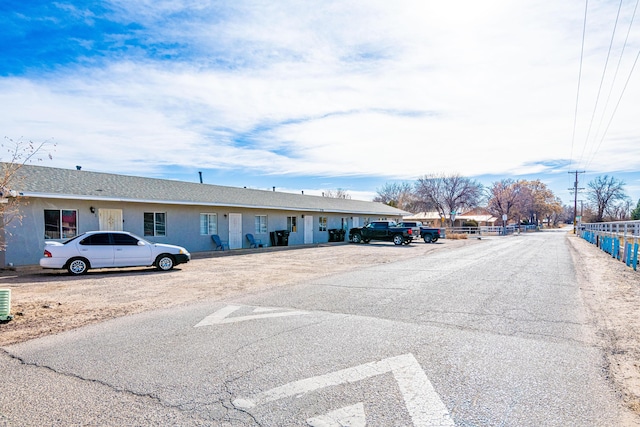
[[492, 334]]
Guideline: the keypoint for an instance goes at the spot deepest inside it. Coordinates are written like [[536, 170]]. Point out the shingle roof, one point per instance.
[[47, 182]]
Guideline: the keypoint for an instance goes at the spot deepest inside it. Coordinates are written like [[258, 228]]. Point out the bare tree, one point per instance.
[[19, 153], [620, 211], [448, 193], [603, 193], [336, 194], [398, 195], [505, 198], [541, 203]]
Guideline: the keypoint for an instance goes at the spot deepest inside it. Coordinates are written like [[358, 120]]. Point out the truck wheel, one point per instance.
[[366, 240], [435, 239], [356, 238], [427, 238], [398, 239], [406, 242]]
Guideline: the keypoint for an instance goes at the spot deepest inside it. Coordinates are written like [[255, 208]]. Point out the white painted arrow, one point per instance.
[[422, 401], [221, 316], [349, 416]]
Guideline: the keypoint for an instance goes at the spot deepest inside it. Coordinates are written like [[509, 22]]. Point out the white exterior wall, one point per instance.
[[25, 239]]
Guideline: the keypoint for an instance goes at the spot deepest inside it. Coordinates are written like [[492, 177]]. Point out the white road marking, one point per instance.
[[264, 309], [349, 416], [422, 401], [221, 316]]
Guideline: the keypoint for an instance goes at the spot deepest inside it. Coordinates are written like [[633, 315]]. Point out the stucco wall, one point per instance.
[[25, 238]]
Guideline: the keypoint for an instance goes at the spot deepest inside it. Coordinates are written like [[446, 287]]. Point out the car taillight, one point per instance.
[[410, 231], [47, 254]]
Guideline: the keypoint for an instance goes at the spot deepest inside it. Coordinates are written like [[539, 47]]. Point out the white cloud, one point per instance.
[[349, 88]]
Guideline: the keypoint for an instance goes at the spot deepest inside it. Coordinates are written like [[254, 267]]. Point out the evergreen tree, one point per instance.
[[635, 214]]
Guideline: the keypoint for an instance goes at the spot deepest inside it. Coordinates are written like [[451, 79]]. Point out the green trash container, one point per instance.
[[5, 305]]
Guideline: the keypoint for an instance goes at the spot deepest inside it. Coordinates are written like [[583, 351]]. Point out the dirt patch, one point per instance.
[[611, 293], [47, 302]]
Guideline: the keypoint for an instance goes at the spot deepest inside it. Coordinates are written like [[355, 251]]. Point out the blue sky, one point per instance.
[[316, 96]]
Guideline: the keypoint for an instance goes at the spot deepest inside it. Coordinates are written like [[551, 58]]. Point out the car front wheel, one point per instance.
[[165, 262], [77, 266]]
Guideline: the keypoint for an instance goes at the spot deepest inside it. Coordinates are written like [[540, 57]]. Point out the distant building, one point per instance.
[[434, 219], [58, 204]]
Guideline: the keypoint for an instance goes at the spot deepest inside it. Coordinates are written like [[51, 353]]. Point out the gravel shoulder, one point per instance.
[[611, 293], [49, 302]]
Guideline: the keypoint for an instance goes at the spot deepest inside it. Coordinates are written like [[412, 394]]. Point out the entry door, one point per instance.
[[235, 231], [308, 229], [110, 219]]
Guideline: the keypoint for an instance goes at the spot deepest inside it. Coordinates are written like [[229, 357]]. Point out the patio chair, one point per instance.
[[219, 244], [253, 242]]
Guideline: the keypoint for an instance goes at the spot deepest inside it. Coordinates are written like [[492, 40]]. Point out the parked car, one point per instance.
[[103, 249], [429, 235], [381, 230], [413, 225]]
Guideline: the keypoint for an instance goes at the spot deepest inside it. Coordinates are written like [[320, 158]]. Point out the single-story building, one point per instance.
[[434, 219], [54, 203]]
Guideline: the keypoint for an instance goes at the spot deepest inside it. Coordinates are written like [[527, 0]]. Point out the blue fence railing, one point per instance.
[[619, 239]]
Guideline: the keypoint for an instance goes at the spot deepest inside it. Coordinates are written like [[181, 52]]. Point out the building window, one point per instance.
[[261, 224], [292, 224], [60, 223], [155, 224], [208, 224], [322, 223]]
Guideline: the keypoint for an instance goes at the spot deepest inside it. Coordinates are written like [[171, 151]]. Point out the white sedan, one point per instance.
[[103, 249]]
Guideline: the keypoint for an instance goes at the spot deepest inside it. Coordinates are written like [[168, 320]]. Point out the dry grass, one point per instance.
[[457, 236]]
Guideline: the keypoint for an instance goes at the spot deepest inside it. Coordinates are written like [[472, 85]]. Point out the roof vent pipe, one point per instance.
[[303, 192], [274, 188], [78, 167], [200, 173]]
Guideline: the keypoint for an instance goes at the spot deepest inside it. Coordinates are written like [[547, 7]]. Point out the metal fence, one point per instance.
[[491, 230], [619, 239]]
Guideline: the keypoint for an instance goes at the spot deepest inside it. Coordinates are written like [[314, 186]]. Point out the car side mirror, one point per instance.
[[140, 243]]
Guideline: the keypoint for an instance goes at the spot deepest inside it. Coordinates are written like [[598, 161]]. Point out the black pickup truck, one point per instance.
[[429, 235], [382, 230]]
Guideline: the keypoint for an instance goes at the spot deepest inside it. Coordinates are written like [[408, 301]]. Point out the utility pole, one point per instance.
[[575, 199]]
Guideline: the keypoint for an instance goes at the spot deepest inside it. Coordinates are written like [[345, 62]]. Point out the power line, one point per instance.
[[616, 108], [615, 74], [604, 73], [575, 116]]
